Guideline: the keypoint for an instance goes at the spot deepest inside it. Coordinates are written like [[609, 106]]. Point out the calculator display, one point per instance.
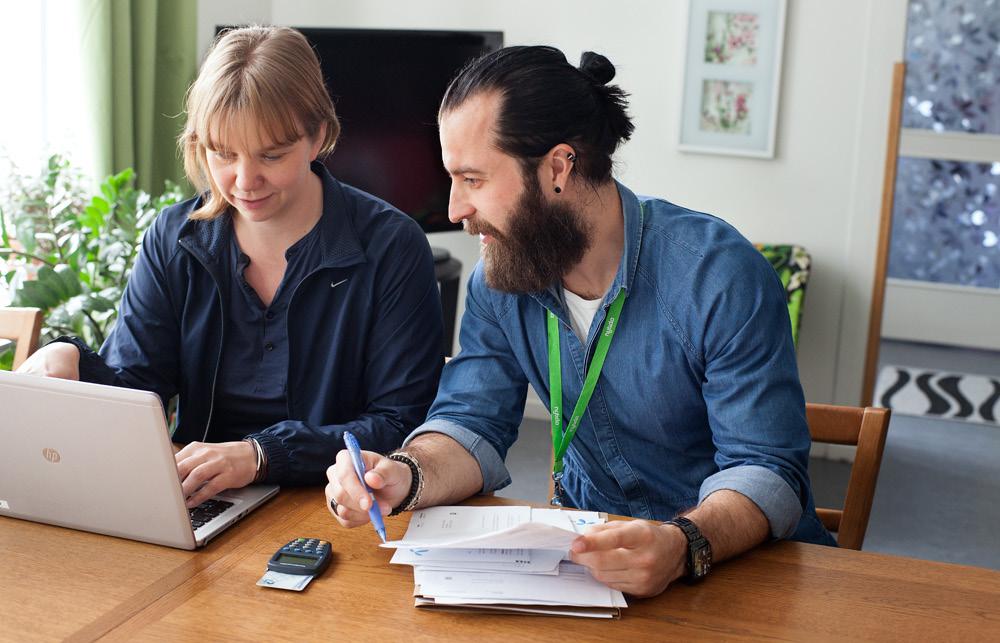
[[286, 559], [307, 556]]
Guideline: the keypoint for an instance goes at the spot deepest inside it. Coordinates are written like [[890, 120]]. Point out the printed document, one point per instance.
[[502, 559]]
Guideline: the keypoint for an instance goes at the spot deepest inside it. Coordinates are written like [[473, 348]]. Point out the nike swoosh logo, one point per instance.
[[338, 283]]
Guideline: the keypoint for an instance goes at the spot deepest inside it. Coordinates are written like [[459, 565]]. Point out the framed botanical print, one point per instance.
[[732, 76]]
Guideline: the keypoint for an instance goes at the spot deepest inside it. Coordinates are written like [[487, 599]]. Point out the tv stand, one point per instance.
[[447, 271]]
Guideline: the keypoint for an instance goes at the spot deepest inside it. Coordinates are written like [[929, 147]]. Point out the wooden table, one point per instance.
[[59, 583], [56, 582]]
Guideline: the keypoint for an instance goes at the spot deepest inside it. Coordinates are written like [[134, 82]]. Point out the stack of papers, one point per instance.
[[502, 559]]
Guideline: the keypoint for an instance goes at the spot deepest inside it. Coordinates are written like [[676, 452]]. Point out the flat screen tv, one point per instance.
[[387, 86]]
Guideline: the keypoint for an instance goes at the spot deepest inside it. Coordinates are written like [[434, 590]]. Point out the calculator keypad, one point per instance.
[[307, 547]]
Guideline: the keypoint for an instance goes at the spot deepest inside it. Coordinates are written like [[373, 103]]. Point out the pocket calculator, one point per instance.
[[306, 556]]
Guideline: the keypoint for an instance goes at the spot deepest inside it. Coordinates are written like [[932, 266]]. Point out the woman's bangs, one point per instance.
[[240, 123]]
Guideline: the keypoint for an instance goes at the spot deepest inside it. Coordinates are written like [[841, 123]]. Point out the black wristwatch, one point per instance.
[[699, 557]]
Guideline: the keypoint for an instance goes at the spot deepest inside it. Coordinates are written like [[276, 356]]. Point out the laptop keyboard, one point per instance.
[[206, 511]]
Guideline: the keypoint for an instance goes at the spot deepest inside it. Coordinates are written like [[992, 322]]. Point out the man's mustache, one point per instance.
[[475, 227]]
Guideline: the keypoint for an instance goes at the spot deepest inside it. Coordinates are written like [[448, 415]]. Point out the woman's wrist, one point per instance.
[[258, 460]]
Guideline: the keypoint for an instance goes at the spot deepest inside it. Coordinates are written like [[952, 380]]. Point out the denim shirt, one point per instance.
[[699, 391]]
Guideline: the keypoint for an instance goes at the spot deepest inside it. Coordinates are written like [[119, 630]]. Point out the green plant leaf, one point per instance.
[[34, 294], [102, 205], [25, 232], [4, 237], [70, 280], [55, 167], [96, 303], [109, 191], [125, 177], [51, 280], [91, 218]]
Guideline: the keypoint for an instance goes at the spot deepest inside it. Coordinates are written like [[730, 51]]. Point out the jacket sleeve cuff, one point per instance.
[[765, 488], [495, 474], [92, 367], [277, 457]]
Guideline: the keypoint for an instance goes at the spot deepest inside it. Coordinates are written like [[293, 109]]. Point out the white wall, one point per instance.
[[821, 191], [922, 311]]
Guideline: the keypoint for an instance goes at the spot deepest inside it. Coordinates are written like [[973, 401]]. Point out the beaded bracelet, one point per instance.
[[416, 485]]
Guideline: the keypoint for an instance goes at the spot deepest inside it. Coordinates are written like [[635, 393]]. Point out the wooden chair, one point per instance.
[[865, 428], [22, 325]]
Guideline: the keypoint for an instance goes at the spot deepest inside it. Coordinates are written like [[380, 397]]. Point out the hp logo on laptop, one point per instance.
[[51, 455]]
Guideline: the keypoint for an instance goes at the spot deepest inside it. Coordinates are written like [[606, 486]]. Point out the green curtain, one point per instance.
[[140, 57]]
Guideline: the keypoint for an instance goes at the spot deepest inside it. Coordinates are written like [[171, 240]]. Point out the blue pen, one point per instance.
[[374, 512]]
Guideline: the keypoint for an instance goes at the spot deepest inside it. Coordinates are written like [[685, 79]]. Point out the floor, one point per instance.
[[938, 493]]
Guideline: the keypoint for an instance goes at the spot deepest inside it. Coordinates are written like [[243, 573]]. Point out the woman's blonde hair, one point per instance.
[[268, 76]]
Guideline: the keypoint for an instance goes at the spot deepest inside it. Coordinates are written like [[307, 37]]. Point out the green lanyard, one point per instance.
[[561, 439]]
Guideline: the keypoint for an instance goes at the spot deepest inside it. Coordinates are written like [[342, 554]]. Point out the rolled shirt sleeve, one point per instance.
[[495, 474], [766, 489], [751, 388]]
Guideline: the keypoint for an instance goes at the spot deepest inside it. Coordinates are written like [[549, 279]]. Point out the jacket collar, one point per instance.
[[632, 215], [338, 240]]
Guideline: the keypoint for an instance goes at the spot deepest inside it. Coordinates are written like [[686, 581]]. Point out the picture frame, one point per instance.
[[732, 77]]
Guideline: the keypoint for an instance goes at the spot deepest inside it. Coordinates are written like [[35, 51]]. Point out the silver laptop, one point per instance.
[[99, 458]]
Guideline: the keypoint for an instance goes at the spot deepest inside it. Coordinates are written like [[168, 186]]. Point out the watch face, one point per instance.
[[701, 562]]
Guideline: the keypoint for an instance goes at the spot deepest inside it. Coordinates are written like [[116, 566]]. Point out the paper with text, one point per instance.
[[524, 561], [485, 528]]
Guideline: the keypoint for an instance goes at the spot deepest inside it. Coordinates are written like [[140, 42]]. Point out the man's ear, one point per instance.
[[556, 167]]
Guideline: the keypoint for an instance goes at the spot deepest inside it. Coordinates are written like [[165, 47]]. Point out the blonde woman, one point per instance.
[[280, 305]]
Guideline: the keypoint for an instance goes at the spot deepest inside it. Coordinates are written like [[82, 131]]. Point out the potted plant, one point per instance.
[[68, 253]]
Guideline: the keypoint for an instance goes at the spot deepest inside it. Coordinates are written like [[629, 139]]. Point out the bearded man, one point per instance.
[[662, 330]]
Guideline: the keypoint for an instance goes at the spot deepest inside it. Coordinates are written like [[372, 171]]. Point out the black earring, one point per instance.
[[571, 157], [558, 189]]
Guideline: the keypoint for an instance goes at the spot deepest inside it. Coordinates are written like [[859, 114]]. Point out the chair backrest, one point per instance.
[[865, 428], [23, 326]]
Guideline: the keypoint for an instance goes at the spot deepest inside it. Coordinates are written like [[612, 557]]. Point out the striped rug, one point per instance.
[[952, 396]]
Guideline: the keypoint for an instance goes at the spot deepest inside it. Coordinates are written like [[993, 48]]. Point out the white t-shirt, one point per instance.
[[581, 313]]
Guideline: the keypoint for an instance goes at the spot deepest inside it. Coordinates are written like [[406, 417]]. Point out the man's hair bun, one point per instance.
[[597, 67]]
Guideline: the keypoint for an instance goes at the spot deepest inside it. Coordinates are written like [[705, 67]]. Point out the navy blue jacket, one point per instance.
[[364, 356]]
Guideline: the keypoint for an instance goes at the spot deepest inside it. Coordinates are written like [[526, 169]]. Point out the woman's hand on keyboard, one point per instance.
[[206, 469]]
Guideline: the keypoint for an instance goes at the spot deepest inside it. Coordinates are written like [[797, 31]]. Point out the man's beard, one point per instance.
[[544, 240]]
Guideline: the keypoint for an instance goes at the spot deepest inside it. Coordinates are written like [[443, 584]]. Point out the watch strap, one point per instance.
[[699, 553]]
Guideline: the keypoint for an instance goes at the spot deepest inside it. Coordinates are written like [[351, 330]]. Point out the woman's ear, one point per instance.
[[317, 143]]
